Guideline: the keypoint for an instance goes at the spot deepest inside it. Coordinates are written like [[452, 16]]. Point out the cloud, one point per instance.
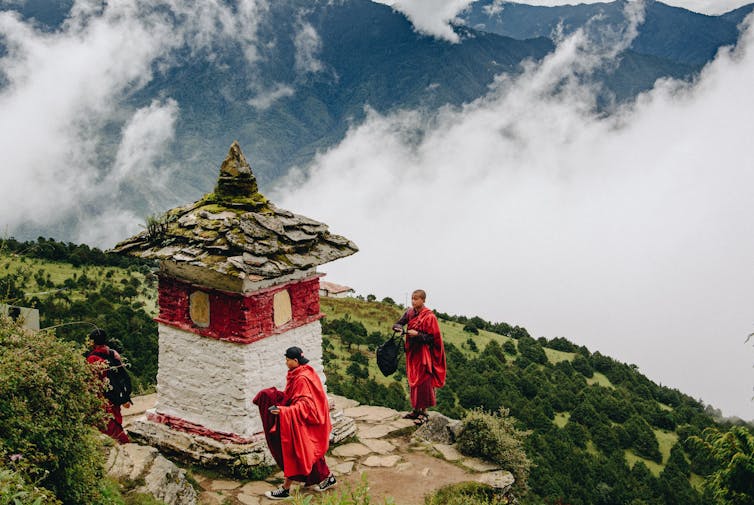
[[265, 98], [431, 17], [308, 45], [630, 234], [62, 89]]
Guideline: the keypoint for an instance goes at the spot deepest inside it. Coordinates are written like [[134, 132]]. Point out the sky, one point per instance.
[[630, 234]]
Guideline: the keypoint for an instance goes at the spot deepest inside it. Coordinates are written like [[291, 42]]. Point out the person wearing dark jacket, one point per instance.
[[98, 356]]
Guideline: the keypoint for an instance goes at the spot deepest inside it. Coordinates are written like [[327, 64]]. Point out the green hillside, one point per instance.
[[77, 288], [601, 432]]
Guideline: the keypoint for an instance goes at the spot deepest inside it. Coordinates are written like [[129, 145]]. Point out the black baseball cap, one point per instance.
[[297, 354]]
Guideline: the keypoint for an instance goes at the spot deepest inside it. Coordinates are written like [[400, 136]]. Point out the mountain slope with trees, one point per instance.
[[601, 432]]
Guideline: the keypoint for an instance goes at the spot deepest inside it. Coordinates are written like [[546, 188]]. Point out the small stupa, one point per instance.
[[238, 285]]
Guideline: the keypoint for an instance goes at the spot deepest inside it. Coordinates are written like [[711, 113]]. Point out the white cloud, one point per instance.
[[430, 17], [265, 98], [62, 88], [143, 141], [630, 234], [308, 45]]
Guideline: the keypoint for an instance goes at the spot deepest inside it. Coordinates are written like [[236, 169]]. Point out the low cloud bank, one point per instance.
[[630, 234], [61, 90]]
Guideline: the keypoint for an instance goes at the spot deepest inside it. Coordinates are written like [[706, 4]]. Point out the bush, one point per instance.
[[358, 495], [49, 404], [495, 438], [15, 490], [467, 493]]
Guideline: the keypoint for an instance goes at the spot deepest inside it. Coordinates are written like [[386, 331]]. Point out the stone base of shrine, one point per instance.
[[227, 457], [232, 457]]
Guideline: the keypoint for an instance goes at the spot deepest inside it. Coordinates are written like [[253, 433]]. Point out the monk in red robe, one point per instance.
[[425, 355], [114, 428], [297, 426]]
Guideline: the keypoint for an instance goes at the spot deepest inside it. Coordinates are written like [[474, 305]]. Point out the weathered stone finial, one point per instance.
[[236, 178]]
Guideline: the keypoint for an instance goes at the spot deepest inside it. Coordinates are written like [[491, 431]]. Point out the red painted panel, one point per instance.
[[178, 424], [238, 317]]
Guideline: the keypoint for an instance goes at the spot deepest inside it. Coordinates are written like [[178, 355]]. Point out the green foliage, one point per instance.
[[467, 493], [494, 437], [644, 442], [49, 403], [531, 350], [14, 490], [348, 495], [732, 482]]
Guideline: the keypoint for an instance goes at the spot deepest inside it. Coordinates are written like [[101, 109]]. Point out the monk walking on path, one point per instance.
[[425, 356], [297, 426]]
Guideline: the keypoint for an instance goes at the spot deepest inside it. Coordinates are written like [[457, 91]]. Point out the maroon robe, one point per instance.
[[425, 357]]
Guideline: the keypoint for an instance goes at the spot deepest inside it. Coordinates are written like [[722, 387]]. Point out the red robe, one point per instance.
[[304, 421], [114, 428], [425, 361]]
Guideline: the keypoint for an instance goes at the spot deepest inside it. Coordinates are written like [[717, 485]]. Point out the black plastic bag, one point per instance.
[[387, 354]]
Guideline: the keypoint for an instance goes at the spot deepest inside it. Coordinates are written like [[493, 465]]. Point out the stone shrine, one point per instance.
[[238, 285]]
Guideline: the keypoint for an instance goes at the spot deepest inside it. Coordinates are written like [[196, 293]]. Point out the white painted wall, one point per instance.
[[211, 383]]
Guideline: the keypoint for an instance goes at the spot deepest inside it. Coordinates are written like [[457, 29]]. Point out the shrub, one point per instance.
[[49, 404], [495, 438], [467, 493], [15, 490], [358, 495]]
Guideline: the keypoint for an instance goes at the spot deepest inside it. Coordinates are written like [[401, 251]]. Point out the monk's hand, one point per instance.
[[412, 333]]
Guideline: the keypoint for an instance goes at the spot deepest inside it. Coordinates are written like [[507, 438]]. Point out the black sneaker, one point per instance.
[[326, 484], [279, 494]]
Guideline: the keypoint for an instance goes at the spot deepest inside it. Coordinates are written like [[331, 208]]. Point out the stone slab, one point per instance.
[[500, 479], [350, 451], [479, 465], [381, 461], [343, 468], [248, 499], [372, 414], [378, 446], [400, 424], [223, 485], [449, 452], [341, 402], [374, 431], [255, 488]]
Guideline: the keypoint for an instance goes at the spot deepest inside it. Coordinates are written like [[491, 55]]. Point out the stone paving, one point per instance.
[[384, 448]]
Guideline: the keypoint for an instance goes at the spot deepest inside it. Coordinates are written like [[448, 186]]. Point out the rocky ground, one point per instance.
[[397, 459]]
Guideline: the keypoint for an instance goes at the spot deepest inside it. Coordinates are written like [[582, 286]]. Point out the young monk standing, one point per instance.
[[425, 356], [297, 426]]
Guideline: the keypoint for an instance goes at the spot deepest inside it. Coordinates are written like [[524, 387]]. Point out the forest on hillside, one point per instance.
[[600, 432]]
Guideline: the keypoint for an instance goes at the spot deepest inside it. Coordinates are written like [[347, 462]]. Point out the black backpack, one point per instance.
[[387, 354], [120, 382]]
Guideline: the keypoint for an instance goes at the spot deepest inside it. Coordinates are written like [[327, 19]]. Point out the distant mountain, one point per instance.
[[369, 56], [670, 33]]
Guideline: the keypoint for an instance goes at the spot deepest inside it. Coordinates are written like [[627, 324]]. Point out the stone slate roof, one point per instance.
[[237, 231]]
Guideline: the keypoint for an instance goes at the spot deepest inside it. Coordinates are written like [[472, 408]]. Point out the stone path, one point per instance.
[[385, 451]]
